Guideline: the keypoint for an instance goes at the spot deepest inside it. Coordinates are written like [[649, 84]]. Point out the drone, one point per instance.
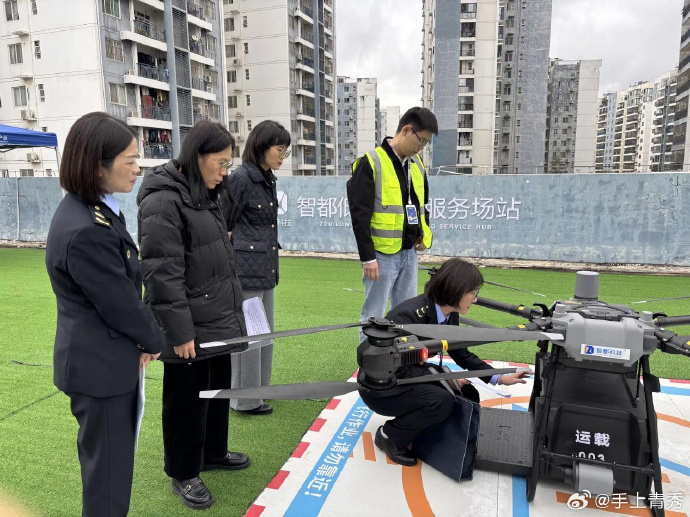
[[589, 424]]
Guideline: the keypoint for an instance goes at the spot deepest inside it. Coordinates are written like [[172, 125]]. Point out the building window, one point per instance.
[[246, 73], [20, 96], [230, 50], [211, 43], [112, 7], [34, 6], [249, 125], [244, 22], [118, 94], [249, 100], [232, 76], [26, 172], [234, 126], [11, 10], [114, 50], [16, 53], [232, 101], [41, 93], [229, 24], [44, 129], [246, 48], [37, 49]]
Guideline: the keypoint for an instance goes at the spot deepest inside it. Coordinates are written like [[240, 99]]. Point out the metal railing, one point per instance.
[[198, 117], [306, 10], [158, 151], [153, 72], [146, 28], [195, 10], [154, 112]]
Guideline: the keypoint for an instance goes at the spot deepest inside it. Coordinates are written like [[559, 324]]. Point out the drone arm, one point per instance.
[[672, 343], [672, 321], [516, 310]]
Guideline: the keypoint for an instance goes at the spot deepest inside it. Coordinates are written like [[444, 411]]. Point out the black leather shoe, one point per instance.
[[400, 456], [231, 461], [193, 493], [263, 409]]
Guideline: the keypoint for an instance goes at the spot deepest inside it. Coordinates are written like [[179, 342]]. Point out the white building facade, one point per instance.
[[358, 120], [281, 66], [155, 65]]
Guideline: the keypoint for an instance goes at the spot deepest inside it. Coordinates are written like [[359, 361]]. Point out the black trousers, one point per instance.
[[105, 443], [414, 408], [194, 429]]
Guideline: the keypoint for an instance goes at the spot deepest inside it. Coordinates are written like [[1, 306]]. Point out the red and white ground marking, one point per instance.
[[370, 485]]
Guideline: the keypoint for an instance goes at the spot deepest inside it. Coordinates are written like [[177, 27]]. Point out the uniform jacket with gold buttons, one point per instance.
[[102, 324], [254, 226]]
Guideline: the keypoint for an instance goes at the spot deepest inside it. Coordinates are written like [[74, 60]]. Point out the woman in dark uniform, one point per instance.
[[105, 334], [193, 289], [451, 291]]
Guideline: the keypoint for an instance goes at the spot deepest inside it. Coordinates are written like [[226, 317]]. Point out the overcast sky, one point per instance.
[[636, 39]]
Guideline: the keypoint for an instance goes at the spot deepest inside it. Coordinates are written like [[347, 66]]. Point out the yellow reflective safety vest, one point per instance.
[[387, 222]]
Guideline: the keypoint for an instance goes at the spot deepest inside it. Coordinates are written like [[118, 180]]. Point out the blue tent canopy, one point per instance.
[[15, 137]]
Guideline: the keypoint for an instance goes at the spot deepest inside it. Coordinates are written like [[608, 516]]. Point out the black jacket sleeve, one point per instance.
[[361, 193], [95, 262], [163, 266], [236, 186]]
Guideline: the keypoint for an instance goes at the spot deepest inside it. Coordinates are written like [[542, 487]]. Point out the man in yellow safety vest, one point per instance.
[[387, 193]]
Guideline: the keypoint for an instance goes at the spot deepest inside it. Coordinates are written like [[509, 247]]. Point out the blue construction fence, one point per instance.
[[597, 218]]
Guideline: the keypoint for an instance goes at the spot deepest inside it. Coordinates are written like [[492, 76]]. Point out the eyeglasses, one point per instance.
[[475, 293], [284, 153], [224, 165], [422, 141]]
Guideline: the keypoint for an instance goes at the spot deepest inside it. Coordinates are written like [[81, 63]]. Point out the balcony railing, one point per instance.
[[146, 28], [158, 151], [308, 86], [468, 16], [685, 35], [681, 114], [686, 10], [153, 72], [465, 141], [195, 10], [468, 34], [199, 47], [307, 36], [198, 117], [308, 136], [308, 62], [466, 89], [466, 107], [309, 160], [154, 112], [306, 10], [467, 52]]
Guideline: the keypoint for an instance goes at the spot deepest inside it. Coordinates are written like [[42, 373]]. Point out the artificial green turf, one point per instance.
[[38, 434]]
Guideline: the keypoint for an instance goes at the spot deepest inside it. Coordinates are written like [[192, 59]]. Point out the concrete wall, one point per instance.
[[599, 218]]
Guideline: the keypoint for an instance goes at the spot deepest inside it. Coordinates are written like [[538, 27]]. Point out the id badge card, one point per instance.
[[411, 211]]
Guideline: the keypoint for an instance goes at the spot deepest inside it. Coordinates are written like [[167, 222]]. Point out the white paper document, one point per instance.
[[257, 322], [141, 399]]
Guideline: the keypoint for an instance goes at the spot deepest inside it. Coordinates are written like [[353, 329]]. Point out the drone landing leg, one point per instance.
[[651, 385], [541, 423], [633, 400]]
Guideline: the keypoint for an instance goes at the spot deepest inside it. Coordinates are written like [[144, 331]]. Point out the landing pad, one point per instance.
[[337, 471]]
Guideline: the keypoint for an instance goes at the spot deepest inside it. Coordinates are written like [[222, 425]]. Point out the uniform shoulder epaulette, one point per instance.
[[98, 216], [421, 312]]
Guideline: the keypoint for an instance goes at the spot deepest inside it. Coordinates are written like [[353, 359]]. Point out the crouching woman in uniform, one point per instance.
[[192, 286], [105, 333], [451, 291]]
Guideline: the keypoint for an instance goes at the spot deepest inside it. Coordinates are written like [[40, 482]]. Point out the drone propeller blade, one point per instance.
[[514, 288], [661, 299], [475, 323], [309, 390], [470, 374], [282, 333], [480, 335]]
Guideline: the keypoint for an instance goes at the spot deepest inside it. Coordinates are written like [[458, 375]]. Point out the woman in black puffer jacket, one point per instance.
[[192, 286]]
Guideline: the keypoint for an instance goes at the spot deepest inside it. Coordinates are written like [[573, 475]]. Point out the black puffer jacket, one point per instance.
[[254, 225], [188, 265]]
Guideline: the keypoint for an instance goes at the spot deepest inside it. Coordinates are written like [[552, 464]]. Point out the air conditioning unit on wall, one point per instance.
[[28, 114], [32, 157]]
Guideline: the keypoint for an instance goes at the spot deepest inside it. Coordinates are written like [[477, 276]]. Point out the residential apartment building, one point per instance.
[[572, 112], [492, 111], [661, 157], [359, 119], [390, 116], [681, 143], [631, 115], [281, 66], [155, 65]]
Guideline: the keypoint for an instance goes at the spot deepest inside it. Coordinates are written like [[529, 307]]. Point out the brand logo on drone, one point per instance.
[[589, 350], [282, 203]]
